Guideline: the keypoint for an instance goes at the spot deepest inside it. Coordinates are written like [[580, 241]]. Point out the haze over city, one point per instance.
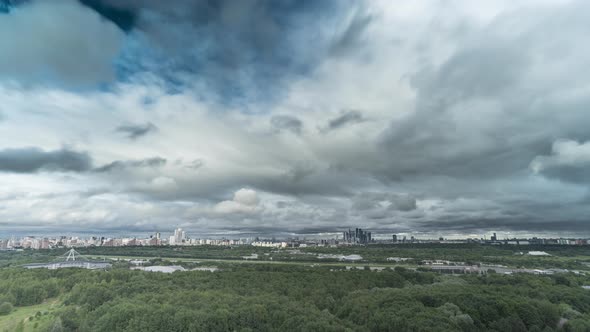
[[436, 118]]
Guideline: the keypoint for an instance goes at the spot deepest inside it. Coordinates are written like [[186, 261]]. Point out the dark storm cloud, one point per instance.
[[119, 165], [302, 180], [483, 112], [123, 18], [135, 131], [433, 141], [287, 122], [31, 160], [235, 47], [7, 5], [344, 119], [575, 173], [295, 182], [569, 161], [300, 171], [193, 165], [373, 205], [367, 201]]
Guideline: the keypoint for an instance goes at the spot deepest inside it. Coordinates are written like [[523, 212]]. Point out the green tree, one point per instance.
[[57, 326], [577, 325]]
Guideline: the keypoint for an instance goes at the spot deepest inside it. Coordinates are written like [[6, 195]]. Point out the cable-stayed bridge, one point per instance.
[[71, 258]]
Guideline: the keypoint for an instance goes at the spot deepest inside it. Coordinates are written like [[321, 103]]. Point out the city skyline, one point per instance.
[[350, 236], [437, 118]]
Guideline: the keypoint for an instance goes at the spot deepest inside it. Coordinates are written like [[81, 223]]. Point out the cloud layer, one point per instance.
[[295, 116], [31, 160]]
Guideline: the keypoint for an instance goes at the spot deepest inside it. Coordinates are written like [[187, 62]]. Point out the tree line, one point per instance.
[[300, 298]]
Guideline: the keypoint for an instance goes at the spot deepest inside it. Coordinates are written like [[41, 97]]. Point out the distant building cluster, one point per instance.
[[179, 237], [270, 244], [26, 242], [412, 239], [536, 241], [494, 240], [357, 236], [216, 242]]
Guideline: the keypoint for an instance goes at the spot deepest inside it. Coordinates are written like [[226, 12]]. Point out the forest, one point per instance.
[[267, 297]]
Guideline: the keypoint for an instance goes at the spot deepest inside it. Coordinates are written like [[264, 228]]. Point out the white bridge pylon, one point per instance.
[[72, 255]]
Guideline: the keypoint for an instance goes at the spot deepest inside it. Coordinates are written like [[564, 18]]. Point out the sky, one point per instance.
[[432, 117]]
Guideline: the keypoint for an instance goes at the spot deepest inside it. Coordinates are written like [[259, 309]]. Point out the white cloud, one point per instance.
[[563, 153], [245, 201], [163, 182], [246, 197]]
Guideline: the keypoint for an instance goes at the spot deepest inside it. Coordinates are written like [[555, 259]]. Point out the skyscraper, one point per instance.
[[358, 236], [178, 238]]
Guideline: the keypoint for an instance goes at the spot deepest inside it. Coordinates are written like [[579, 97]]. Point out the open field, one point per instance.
[[25, 319], [458, 268], [253, 261], [561, 257]]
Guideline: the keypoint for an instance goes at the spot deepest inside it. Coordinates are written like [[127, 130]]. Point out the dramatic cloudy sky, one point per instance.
[[433, 117]]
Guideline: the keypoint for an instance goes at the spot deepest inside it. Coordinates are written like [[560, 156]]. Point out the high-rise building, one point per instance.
[[394, 238], [358, 236], [494, 237], [178, 238]]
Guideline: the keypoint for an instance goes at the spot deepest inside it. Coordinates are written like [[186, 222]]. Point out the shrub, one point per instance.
[[5, 308]]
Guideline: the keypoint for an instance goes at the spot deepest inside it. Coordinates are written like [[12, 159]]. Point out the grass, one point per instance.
[[23, 318]]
